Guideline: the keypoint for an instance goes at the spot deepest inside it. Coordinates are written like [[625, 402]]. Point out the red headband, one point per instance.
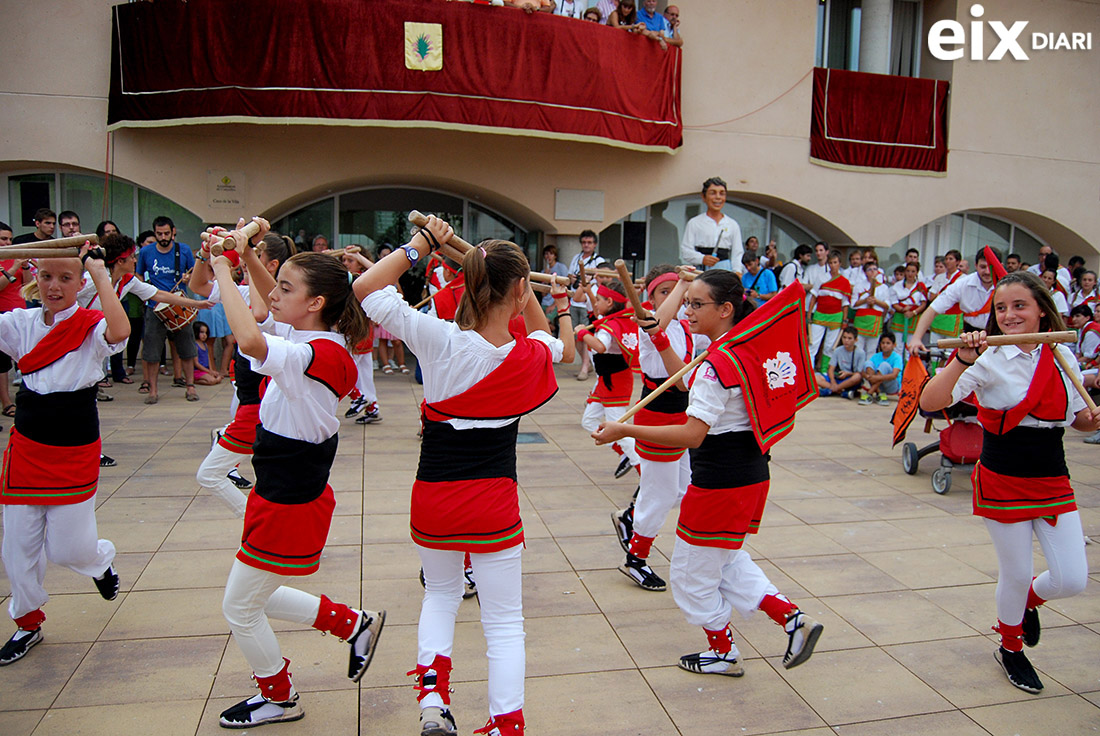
[[608, 293], [121, 256], [670, 276]]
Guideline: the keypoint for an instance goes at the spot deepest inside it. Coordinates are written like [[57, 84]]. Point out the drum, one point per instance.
[[175, 318]]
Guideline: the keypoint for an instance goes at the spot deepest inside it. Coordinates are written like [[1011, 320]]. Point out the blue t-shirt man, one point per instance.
[[654, 21], [762, 282], [158, 267]]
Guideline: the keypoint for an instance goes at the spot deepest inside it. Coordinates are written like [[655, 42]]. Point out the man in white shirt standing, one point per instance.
[[713, 237], [795, 270], [578, 304]]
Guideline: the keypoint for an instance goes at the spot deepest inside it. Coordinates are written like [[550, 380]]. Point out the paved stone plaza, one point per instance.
[[902, 579]]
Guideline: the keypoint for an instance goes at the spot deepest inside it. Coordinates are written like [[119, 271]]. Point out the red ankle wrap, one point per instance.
[[278, 687], [1012, 637], [618, 451], [31, 621], [336, 618], [1033, 601], [778, 608], [433, 678], [720, 641], [640, 546], [508, 724]]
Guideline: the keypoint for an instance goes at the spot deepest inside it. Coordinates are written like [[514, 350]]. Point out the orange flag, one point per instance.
[[912, 383]]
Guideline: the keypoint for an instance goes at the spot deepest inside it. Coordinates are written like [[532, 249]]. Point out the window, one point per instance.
[[966, 232], [840, 32]]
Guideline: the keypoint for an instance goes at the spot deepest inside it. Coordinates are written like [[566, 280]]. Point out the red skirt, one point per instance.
[[480, 515], [240, 435], [286, 539], [721, 517], [1011, 499], [652, 451], [48, 475], [613, 390]]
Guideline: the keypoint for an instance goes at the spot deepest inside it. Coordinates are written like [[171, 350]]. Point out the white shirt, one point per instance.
[[791, 272], [89, 297], [22, 329], [571, 8], [593, 261], [816, 275], [1060, 302], [1079, 298], [970, 294], [1088, 343], [649, 360], [881, 292], [451, 359], [1000, 378], [721, 409], [295, 405], [1063, 274], [216, 293], [704, 232]]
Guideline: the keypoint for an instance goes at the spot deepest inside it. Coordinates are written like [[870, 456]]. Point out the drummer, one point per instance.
[[164, 264]]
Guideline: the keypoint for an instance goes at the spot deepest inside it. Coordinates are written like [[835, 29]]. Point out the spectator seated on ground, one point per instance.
[[882, 371], [846, 365]]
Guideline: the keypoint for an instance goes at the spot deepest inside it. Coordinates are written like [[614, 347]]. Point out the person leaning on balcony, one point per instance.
[[625, 15], [654, 25], [570, 8], [532, 6], [672, 15], [593, 14]]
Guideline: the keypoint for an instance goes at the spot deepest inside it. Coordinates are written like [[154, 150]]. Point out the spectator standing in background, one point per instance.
[[672, 15], [554, 267], [656, 25], [69, 223], [625, 15], [795, 270], [319, 244], [593, 14], [105, 228], [606, 8], [45, 222], [712, 236], [570, 8], [12, 274]]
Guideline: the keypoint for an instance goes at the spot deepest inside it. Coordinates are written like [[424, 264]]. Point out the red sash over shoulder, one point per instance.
[[65, 337], [523, 382], [624, 331], [447, 298], [332, 366], [1046, 399]]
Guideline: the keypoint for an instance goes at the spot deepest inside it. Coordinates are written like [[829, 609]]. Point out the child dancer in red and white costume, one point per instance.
[[1021, 484], [49, 506], [613, 341], [479, 378], [234, 443], [665, 344], [290, 509], [364, 398], [711, 574]]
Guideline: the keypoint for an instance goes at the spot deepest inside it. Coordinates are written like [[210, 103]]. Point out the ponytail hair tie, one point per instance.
[[483, 253], [351, 278]]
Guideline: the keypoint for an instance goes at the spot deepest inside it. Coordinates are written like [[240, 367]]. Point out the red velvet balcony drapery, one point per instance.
[[877, 122], [343, 62]]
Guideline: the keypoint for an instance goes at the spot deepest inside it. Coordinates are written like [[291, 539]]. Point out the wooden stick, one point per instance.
[[218, 244], [540, 288], [605, 272], [672, 381], [549, 278], [74, 241], [22, 252], [456, 249], [685, 274], [1068, 370], [438, 291], [1044, 338], [628, 286]]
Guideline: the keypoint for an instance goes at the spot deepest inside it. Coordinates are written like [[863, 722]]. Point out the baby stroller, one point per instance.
[[959, 443]]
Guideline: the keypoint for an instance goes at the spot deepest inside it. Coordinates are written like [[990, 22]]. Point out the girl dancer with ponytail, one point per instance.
[[289, 511], [711, 575], [479, 378], [1021, 484], [234, 443]]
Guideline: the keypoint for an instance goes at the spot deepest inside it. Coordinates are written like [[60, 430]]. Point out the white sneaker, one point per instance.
[[1093, 439], [364, 642], [711, 662], [257, 710], [437, 722], [803, 633]]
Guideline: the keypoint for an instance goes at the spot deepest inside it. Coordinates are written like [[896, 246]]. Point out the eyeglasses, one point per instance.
[[695, 305]]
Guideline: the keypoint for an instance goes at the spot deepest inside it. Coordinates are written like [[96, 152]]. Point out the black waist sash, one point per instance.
[[672, 401], [246, 380], [60, 418], [722, 253], [728, 460], [1025, 452], [607, 364], [291, 471], [449, 454]]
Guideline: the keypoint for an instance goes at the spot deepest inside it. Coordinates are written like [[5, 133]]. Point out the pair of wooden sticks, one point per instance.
[[57, 248]]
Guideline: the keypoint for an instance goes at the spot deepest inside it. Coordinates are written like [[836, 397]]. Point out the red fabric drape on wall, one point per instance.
[[343, 62], [878, 121]]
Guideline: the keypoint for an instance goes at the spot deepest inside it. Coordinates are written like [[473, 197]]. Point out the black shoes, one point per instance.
[[642, 574], [1031, 626], [363, 643], [1018, 670], [623, 521], [106, 461], [238, 480], [108, 584], [19, 644], [803, 633], [624, 467]]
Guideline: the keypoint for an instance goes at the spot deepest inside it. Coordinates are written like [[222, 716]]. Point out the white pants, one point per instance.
[[595, 413], [708, 583], [251, 596], [500, 593], [365, 364], [212, 477], [869, 345], [64, 535], [823, 339], [1064, 548], [661, 488]]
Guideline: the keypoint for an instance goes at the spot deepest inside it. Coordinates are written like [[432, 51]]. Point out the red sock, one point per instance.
[[640, 546], [31, 621], [720, 641], [433, 678], [336, 618], [777, 607], [278, 687], [618, 450], [1012, 637], [1033, 601]]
